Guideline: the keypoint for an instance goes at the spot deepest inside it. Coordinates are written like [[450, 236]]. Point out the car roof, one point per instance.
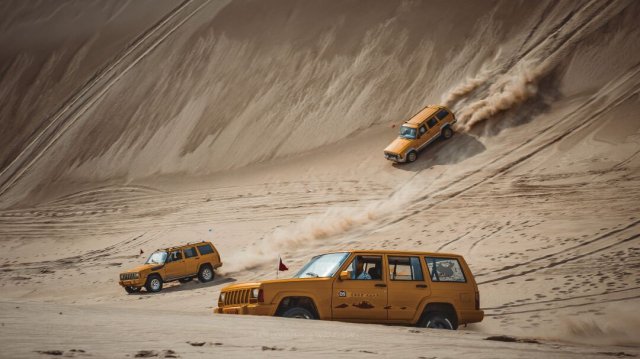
[[426, 112], [396, 252], [184, 245]]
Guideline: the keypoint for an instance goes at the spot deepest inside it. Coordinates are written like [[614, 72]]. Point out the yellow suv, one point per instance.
[[432, 290], [426, 126], [181, 263]]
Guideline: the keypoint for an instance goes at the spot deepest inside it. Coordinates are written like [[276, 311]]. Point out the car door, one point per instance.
[[191, 259], [174, 267], [362, 295], [434, 128], [407, 286], [422, 135]]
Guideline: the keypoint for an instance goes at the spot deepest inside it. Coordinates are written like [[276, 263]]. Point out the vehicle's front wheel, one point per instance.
[[132, 290], [299, 313], [438, 320], [154, 284], [412, 156], [447, 132], [205, 274]]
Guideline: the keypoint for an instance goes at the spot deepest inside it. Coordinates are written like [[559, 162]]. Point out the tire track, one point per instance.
[[562, 307], [564, 261], [561, 299], [70, 112], [564, 251], [453, 241]]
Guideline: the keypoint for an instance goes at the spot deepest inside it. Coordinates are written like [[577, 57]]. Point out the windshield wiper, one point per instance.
[[311, 274]]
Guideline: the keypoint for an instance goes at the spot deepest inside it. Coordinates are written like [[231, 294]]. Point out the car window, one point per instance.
[[190, 252], [175, 256], [445, 270], [205, 249], [422, 129], [405, 268], [366, 268], [442, 114], [432, 122]]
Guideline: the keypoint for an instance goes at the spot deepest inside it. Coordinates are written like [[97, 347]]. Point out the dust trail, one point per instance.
[[469, 85], [506, 86], [312, 230]]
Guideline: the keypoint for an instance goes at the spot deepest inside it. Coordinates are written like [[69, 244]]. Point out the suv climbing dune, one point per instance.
[[181, 263], [426, 126], [432, 290]]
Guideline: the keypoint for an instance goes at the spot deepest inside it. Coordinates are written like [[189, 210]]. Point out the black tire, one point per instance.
[[132, 290], [297, 312], [185, 280], [439, 320], [447, 132], [206, 274], [153, 284], [412, 156]]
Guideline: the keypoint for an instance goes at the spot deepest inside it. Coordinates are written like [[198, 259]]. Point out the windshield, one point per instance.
[[408, 132], [157, 258], [323, 266]]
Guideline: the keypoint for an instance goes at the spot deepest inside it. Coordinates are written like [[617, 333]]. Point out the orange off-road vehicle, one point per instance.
[[181, 263], [426, 126], [432, 290]]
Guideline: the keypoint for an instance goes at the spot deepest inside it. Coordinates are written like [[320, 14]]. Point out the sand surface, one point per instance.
[[260, 126]]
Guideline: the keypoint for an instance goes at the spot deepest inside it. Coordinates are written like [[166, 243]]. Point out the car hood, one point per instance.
[[398, 146], [144, 267], [249, 285]]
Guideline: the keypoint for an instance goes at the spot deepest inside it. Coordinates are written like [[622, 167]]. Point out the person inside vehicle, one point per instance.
[[360, 272]]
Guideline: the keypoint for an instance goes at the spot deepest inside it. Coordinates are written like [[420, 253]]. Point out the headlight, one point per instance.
[[136, 275], [255, 292], [222, 296]]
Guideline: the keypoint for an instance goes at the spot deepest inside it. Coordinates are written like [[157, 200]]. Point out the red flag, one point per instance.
[[282, 267]]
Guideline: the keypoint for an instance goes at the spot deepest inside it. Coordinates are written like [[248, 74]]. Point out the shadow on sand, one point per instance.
[[445, 152], [174, 287]]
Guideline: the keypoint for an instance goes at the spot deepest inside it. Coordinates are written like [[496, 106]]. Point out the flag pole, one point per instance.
[[278, 268]]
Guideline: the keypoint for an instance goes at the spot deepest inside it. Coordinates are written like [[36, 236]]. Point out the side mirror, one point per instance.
[[345, 275]]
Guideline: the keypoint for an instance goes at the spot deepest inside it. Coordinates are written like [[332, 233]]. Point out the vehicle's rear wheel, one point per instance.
[[438, 320], [185, 280], [154, 283], [299, 313], [205, 274], [412, 156], [131, 290], [447, 132]]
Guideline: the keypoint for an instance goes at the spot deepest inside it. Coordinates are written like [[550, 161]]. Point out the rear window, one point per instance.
[[445, 270], [432, 122], [190, 252], [405, 268], [442, 114], [205, 249]]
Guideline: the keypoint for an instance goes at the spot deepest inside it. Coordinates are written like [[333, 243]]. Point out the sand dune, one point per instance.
[[260, 126]]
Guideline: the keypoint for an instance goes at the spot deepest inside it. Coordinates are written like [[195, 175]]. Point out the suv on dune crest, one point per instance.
[[426, 126], [181, 263], [432, 290]]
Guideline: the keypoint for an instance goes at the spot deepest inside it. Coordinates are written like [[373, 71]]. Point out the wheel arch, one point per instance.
[[439, 306], [287, 301], [205, 264]]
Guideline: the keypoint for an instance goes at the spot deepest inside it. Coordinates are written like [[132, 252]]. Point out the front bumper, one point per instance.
[[247, 309], [395, 158], [132, 283]]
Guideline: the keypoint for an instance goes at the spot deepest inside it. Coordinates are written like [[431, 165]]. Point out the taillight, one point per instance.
[[260, 296], [477, 300]]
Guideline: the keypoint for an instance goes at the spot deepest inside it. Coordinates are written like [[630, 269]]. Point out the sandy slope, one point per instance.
[[271, 146]]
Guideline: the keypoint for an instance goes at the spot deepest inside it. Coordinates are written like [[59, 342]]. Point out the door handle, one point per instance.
[[421, 285], [381, 285]]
